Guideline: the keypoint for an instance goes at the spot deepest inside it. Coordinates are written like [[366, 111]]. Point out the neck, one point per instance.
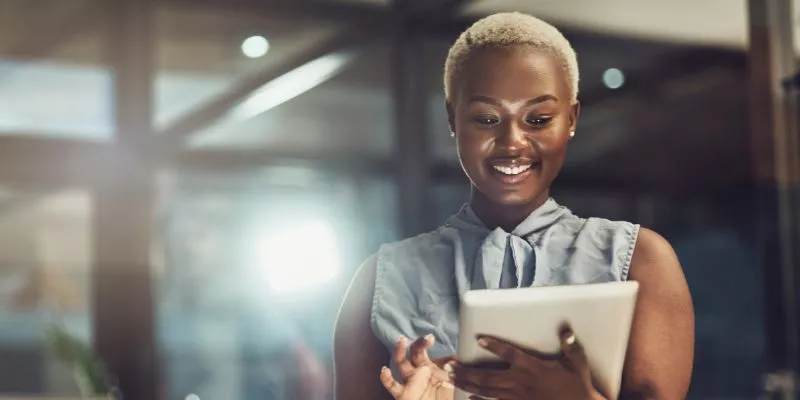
[[507, 217]]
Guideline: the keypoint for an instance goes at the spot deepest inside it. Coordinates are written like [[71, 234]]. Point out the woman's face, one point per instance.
[[512, 114]]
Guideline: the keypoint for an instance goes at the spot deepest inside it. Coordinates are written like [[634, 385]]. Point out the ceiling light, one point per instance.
[[613, 78], [255, 46]]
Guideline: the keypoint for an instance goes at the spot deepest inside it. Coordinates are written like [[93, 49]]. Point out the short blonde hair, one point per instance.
[[508, 30]]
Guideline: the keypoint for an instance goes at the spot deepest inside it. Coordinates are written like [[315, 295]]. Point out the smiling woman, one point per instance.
[[511, 97]]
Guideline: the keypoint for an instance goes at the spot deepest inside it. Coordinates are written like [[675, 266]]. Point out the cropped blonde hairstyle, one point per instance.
[[509, 30]]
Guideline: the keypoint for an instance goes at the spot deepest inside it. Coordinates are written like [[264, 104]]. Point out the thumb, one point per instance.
[[440, 362], [573, 350], [444, 367]]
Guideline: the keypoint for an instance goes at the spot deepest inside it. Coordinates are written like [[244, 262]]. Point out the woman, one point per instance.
[[511, 85]]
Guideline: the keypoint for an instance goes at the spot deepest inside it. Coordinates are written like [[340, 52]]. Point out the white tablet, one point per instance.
[[600, 315]]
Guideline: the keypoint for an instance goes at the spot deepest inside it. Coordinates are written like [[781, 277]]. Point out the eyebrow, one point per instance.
[[536, 100]]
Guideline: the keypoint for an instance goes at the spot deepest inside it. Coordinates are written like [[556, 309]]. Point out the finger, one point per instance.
[[394, 387], [401, 358], [441, 362], [445, 365], [443, 368], [482, 377], [573, 350], [507, 351], [419, 350]]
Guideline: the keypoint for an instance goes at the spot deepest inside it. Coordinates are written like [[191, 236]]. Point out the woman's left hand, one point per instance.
[[528, 375]]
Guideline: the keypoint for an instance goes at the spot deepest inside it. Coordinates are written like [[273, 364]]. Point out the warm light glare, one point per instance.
[[299, 258], [255, 46], [613, 78]]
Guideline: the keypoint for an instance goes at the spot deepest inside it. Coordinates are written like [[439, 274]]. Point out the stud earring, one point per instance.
[[452, 134], [572, 134]]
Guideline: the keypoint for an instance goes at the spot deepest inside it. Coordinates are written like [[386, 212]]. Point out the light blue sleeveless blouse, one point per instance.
[[420, 280]]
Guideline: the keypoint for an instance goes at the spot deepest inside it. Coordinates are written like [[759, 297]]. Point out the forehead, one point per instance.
[[514, 73]]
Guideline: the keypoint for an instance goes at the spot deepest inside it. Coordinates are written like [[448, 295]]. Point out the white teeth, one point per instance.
[[511, 170]]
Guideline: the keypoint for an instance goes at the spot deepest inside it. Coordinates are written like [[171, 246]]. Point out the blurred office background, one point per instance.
[[189, 185]]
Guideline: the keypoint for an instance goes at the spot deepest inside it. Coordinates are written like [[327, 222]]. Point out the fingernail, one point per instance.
[[384, 369], [430, 338], [402, 339], [483, 342], [570, 340], [448, 367]]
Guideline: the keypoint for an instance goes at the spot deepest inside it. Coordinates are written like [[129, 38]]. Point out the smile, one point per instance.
[[515, 170]]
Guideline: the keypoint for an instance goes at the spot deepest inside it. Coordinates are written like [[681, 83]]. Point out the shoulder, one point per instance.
[[656, 263], [427, 253], [425, 250], [358, 297], [353, 320], [419, 244], [599, 228], [662, 283], [652, 249], [386, 271], [365, 274], [597, 241], [355, 312], [619, 236], [399, 265]]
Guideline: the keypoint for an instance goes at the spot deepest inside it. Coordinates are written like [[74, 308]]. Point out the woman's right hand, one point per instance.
[[424, 378]]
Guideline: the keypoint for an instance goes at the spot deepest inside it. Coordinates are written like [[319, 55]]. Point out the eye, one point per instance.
[[538, 121], [487, 120]]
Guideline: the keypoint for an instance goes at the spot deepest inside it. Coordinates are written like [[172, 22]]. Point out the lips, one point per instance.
[[515, 170], [512, 170]]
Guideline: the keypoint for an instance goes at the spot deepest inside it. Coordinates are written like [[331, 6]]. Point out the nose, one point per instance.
[[512, 137]]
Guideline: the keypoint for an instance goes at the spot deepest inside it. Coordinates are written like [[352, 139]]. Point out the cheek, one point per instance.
[[471, 147], [551, 146]]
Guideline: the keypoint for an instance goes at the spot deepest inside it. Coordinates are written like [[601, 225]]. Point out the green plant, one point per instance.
[[90, 373]]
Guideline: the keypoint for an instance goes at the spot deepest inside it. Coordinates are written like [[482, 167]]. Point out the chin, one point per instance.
[[512, 198], [505, 195]]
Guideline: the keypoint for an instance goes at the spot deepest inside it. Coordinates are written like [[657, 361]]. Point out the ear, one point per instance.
[[574, 113], [451, 116]]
